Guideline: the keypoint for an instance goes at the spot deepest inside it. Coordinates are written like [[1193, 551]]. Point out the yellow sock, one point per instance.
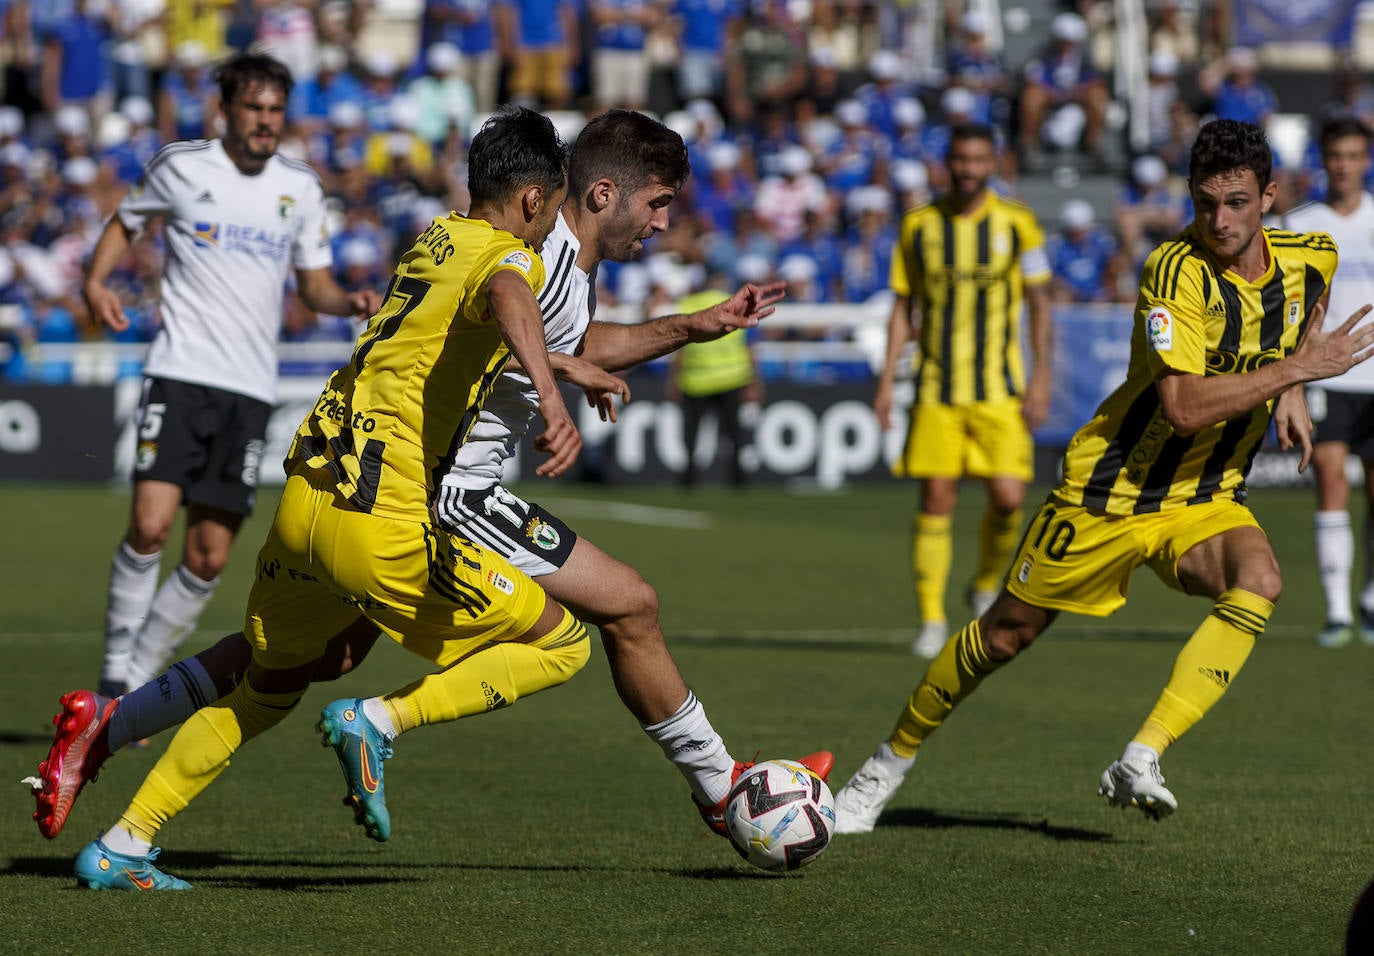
[[199, 752], [493, 677], [996, 539], [932, 548], [955, 673], [1206, 666]]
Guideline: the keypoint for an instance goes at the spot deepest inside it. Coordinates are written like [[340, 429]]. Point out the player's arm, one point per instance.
[[1036, 405], [110, 248], [614, 346], [902, 326], [516, 313], [1192, 402], [318, 290]]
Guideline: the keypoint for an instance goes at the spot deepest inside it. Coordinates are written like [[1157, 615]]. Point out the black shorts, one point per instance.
[[522, 532], [204, 440], [1346, 417]]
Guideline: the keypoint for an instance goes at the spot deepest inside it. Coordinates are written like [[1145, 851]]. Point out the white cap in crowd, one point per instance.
[[138, 110], [908, 112], [11, 121], [113, 129], [332, 58], [443, 58], [1163, 63], [1149, 171], [752, 267], [851, 113], [190, 53], [1069, 28], [79, 170], [1242, 59], [885, 65], [345, 114], [794, 160], [798, 268], [975, 21], [71, 120], [958, 101], [1076, 214], [723, 156], [380, 63]]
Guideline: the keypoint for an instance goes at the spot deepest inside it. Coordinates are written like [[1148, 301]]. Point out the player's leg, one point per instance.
[[1220, 552], [1068, 560], [932, 553], [693, 407], [1334, 540], [1000, 450], [730, 429], [1366, 623], [133, 577]]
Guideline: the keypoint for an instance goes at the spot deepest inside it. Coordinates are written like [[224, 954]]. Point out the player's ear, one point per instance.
[[532, 200], [600, 195], [1268, 195]]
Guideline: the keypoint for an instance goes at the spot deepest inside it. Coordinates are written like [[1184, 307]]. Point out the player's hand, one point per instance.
[[560, 439], [105, 307], [1293, 424], [599, 385], [365, 303], [1035, 404], [1325, 354], [743, 310], [882, 403]]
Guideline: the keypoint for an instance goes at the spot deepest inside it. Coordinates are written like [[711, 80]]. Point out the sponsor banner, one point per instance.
[[1286, 21], [56, 433]]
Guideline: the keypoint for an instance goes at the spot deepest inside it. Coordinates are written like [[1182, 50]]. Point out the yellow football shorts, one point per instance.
[[324, 563], [977, 440], [1073, 559]]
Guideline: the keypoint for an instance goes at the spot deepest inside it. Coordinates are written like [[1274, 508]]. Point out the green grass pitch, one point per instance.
[[556, 826]]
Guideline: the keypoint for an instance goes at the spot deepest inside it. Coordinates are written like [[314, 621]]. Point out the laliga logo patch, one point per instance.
[[1023, 573], [521, 260], [147, 455], [502, 583], [1294, 310], [542, 534], [1159, 329]]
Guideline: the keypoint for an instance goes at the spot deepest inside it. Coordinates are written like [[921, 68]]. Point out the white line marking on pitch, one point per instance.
[[631, 514]]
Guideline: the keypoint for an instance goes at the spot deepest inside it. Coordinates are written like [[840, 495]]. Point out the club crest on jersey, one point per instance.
[[1294, 310], [542, 534], [502, 583], [520, 259], [1159, 329], [286, 206]]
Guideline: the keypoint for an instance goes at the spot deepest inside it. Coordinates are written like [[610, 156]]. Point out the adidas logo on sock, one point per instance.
[[1220, 677]]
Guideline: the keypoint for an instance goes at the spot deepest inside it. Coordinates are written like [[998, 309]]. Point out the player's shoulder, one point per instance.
[[1171, 261], [1015, 208], [1300, 239], [291, 170], [175, 153]]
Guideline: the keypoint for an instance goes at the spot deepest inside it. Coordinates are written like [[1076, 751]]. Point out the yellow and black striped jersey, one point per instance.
[[1191, 318], [390, 421], [966, 273]]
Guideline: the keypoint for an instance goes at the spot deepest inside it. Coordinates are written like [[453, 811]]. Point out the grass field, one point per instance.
[[556, 826]]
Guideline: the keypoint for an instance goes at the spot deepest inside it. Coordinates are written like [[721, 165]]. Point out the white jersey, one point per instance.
[[566, 302], [1353, 284], [231, 240]]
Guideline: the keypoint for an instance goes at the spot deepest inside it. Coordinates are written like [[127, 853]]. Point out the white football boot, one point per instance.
[[1137, 782], [859, 802]]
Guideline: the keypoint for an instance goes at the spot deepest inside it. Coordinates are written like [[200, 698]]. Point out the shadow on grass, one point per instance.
[[938, 820], [18, 738], [198, 868]]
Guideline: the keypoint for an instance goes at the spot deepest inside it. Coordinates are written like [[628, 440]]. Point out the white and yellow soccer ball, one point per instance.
[[779, 815]]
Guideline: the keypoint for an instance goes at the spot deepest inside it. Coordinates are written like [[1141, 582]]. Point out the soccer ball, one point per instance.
[[779, 815]]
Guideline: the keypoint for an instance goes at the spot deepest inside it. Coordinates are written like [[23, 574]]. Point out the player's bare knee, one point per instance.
[[1266, 581], [1002, 642], [147, 535], [205, 563]]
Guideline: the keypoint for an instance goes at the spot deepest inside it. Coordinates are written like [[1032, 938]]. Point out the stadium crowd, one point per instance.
[[811, 127]]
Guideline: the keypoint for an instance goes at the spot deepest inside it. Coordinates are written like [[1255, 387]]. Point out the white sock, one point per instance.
[[1335, 555], [890, 761], [1135, 751], [173, 615], [163, 702], [375, 711], [119, 840], [133, 581], [692, 744]]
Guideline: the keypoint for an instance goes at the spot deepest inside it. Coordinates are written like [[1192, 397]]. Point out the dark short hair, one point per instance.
[[628, 148], [517, 147], [251, 69], [966, 131], [1224, 146], [1339, 127]]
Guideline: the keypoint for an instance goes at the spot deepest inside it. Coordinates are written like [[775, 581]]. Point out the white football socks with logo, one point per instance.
[[375, 712], [161, 703], [173, 614], [1335, 556], [133, 582], [692, 744]]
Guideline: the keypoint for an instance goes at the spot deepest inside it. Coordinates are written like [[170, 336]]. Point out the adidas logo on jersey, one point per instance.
[[205, 196]]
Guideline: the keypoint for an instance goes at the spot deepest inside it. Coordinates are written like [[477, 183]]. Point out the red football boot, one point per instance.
[[79, 748]]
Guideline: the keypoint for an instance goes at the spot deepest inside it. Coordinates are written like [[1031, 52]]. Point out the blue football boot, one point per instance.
[[100, 868], [361, 749]]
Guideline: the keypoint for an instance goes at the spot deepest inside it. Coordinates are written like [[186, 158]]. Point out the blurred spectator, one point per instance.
[[822, 92], [868, 256], [722, 190], [750, 244], [783, 200], [541, 37], [1083, 257], [442, 97], [72, 126], [858, 157], [76, 65], [766, 66], [204, 21], [881, 95], [127, 139], [286, 30], [1062, 79], [333, 83], [1151, 207], [619, 58], [820, 243], [189, 97], [468, 25], [706, 29], [1236, 90], [1174, 31], [139, 45], [18, 55], [380, 86], [1161, 96], [974, 66], [1183, 127]]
